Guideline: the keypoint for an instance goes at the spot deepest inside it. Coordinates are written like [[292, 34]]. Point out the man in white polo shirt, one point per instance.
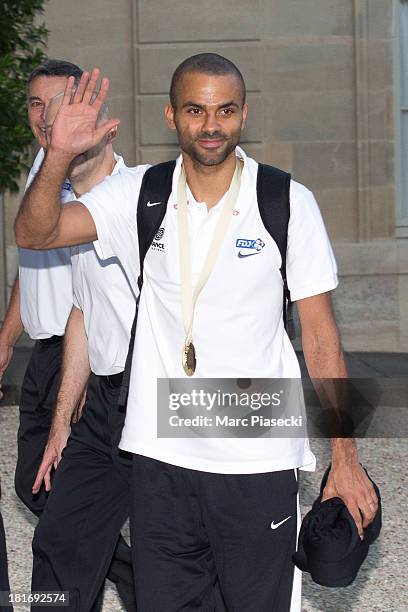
[[78, 531], [40, 304], [207, 507]]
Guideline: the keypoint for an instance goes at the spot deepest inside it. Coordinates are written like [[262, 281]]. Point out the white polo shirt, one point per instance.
[[103, 293], [238, 328], [45, 279]]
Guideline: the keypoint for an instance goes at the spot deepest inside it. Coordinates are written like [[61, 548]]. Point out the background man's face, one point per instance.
[[40, 92], [209, 116]]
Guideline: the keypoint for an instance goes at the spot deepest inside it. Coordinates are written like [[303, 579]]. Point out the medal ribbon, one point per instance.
[[188, 297]]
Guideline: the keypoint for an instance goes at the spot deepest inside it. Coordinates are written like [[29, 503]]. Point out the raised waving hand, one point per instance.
[[76, 128]]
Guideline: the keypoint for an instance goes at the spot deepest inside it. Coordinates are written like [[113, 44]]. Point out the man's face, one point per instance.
[[208, 117], [41, 90]]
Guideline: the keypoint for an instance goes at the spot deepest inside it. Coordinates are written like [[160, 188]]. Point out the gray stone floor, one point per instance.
[[379, 587]]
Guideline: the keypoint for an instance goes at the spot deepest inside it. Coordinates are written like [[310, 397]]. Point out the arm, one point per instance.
[[75, 374], [41, 223], [325, 360], [11, 330]]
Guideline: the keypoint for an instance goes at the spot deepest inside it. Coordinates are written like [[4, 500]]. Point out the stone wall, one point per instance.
[[319, 77]]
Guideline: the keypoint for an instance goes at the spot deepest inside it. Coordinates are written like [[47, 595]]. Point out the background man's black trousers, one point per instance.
[[38, 398], [89, 501], [37, 402]]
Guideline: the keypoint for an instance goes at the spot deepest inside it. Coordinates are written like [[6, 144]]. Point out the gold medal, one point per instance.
[[189, 358]]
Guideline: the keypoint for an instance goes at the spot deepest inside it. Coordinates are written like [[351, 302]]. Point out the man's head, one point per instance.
[[45, 82], [86, 164], [207, 107]]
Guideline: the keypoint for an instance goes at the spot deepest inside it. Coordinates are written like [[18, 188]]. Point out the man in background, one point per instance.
[[41, 303], [89, 499]]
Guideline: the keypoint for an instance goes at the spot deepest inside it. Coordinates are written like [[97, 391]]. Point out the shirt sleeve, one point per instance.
[[75, 301], [113, 205], [34, 168], [310, 265]]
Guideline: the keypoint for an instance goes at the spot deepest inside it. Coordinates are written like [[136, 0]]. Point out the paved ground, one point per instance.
[[381, 583]]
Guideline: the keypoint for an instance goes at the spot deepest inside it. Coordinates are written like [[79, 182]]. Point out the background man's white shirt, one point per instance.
[[238, 327], [45, 279], [103, 293]]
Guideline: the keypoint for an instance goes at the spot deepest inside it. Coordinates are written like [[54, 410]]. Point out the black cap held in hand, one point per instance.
[[329, 546]]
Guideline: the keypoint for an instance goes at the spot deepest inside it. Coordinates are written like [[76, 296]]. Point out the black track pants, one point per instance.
[[37, 402], [79, 529], [190, 527]]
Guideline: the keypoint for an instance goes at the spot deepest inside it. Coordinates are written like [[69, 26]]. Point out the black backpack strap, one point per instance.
[[272, 188], [152, 205], [151, 208]]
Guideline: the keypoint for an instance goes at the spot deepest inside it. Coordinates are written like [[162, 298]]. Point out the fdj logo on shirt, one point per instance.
[[156, 244], [255, 246]]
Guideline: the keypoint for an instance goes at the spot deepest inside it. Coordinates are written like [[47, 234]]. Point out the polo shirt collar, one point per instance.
[[120, 164]]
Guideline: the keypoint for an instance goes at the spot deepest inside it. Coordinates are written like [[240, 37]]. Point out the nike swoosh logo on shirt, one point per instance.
[[241, 255], [152, 203], [276, 525]]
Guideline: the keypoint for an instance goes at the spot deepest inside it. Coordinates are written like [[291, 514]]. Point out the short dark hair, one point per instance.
[[206, 63], [58, 68]]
